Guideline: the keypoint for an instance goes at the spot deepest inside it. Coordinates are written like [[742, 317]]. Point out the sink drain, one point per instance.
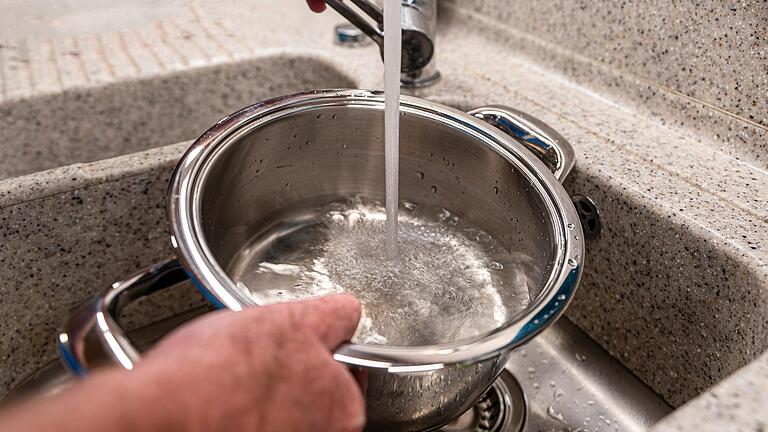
[[502, 409]]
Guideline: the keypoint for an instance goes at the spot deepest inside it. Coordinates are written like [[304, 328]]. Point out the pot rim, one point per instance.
[[187, 235]]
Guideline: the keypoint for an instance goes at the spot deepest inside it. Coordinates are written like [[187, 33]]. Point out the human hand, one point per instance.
[[265, 369], [316, 5]]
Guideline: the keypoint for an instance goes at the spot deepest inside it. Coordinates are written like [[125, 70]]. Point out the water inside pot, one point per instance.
[[452, 281]]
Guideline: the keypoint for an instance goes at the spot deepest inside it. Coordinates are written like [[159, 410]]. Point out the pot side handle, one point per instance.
[[92, 336], [538, 137]]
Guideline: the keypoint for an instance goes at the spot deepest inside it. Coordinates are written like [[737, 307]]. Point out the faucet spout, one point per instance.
[[419, 23]]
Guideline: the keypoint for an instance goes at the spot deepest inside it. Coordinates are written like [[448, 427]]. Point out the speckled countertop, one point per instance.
[[676, 287]]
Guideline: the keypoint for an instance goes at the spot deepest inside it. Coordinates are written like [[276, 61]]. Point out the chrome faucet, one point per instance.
[[419, 22]]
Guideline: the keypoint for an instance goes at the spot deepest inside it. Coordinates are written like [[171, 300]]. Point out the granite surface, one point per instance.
[[697, 65], [736, 404], [86, 124], [67, 242], [676, 287]]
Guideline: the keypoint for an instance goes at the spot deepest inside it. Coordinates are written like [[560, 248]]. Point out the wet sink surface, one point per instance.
[[572, 383]]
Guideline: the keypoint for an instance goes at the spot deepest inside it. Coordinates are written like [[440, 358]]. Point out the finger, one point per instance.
[[361, 377], [316, 5], [333, 319], [345, 402]]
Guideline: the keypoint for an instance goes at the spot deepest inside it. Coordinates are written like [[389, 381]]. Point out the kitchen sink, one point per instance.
[[561, 380], [669, 305]]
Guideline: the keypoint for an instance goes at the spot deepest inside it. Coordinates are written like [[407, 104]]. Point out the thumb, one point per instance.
[[333, 319]]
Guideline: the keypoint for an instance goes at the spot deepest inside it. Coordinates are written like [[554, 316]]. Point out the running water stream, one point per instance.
[[392, 59]]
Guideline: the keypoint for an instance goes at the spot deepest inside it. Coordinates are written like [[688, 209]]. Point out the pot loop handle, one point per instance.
[[538, 137], [92, 337]]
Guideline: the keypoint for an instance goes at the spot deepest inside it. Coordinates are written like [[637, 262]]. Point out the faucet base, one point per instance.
[[420, 79]]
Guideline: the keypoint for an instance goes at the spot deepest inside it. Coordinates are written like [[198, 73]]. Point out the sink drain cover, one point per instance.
[[503, 408]]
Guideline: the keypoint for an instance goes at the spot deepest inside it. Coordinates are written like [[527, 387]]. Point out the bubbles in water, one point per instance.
[[572, 262], [452, 281], [581, 357], [434, 189], [571, 226], [561, 297]]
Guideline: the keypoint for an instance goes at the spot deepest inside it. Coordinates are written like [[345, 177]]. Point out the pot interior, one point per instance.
[[280, 171]]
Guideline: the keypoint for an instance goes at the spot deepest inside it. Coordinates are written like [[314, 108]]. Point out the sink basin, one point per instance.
[[118, 204], [93, 123]]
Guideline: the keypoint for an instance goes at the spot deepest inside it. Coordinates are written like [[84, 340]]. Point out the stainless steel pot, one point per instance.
[[316, 147]]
